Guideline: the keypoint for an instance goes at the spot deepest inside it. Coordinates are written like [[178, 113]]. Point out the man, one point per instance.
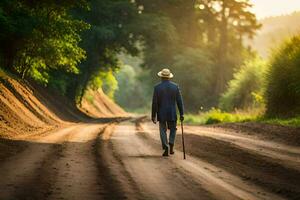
[[165, 97]]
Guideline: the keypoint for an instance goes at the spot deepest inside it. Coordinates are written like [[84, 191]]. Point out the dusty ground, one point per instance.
[[282, 134], [51, 150], [26, 108], [123, 161]]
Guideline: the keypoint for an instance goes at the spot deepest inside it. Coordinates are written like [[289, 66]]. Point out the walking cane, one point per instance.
[[183, 147]]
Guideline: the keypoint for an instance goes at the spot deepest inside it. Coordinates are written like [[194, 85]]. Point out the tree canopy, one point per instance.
[[70, 45]]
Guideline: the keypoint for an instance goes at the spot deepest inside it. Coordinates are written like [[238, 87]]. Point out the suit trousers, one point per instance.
[[163, 127]]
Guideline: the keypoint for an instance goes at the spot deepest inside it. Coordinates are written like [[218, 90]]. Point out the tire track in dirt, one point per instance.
[[254, 168], [123, 161], [272, 166], [73, 163], [86, 168], [213, 175], [156, 177], [22, 175], [112, 169], [76, 167], [285, 154]]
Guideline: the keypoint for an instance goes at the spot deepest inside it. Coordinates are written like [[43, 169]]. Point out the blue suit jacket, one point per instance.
[[165, 97]]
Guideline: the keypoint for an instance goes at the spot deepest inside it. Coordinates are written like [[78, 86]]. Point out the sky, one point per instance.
[[265, 8]]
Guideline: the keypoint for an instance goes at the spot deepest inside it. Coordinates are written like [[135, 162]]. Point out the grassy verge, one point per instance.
[[293, 122], [216, 116]]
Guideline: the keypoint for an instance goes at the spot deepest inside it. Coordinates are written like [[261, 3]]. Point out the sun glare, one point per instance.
[[201, 6], [263, 8]]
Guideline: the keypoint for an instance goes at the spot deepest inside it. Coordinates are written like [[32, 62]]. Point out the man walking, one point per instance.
[[165, 97]]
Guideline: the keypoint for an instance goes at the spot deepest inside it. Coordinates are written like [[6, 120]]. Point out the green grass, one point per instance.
[[293, 122], [216, 116]]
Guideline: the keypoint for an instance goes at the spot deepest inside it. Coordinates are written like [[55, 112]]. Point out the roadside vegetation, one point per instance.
[[73, 47], [215, 116], [267, 92], [294, 121]]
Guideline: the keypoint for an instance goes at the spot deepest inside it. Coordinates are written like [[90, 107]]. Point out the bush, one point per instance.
[[245, 90], [283, 80], [106, 81], [215, 116]]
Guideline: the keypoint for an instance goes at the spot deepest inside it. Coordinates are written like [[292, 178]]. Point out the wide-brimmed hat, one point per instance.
[[165, 73]]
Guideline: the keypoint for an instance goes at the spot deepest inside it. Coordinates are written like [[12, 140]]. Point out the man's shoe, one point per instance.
[[166, 153], [172, 149]]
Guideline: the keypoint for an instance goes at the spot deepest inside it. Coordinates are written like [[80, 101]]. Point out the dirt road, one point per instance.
[[123, 161]]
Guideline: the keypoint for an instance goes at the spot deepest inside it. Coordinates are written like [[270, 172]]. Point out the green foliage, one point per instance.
[[133, 88], [59, 81], [283, 80], [245, 90], [112, 32], [193, 69], [215, 116], [110, 85], [40, 40], [15, 20], [39, 37], [198, 26], [165, 31], [105, 81], [117, 27], [225, 25], [70, 48], [294, 122]]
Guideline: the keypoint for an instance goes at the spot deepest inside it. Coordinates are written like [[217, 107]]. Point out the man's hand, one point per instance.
[[154, 120], [181, 118]]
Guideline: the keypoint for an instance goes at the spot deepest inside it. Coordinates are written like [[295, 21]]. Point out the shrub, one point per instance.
[[215, 116], [106, 81], [283, 80], [245, 90]]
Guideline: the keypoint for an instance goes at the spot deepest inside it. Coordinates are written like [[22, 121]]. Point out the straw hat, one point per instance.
[[165, 73]]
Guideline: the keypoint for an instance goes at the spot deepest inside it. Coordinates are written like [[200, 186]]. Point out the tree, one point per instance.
[[283, 80], [193, 69], [40, 36], [245, 90], [233, 21], [111, 33], [68, 45]]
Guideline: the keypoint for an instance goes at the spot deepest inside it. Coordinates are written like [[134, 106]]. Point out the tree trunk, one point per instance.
[[222, 54]]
